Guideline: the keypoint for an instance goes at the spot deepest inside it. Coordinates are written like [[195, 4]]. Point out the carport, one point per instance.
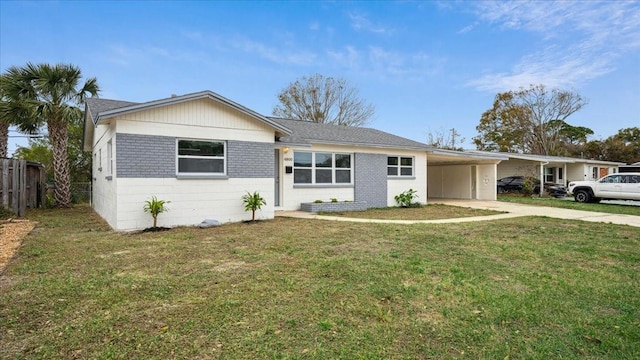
[[459, 175]]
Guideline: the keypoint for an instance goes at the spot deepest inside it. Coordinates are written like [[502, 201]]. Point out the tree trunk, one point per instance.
[[59, 138], [4, 140]]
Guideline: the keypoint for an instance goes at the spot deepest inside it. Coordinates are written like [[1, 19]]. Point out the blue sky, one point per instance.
[[426, 66]]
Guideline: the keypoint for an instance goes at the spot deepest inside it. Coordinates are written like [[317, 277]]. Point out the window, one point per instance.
[[399, 166], [321, 168], [201, 157], [548, 175], [109, 158]]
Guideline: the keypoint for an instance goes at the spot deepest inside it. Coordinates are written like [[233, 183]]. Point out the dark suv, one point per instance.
[[516, 184]]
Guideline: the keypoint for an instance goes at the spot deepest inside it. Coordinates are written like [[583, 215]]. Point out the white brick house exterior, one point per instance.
[[202, 152]]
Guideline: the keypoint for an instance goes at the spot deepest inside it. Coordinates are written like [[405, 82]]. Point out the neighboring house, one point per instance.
[[202, 152], [635, 167], [554, 169]]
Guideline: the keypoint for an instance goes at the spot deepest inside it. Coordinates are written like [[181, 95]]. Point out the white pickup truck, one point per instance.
[[621, 186]]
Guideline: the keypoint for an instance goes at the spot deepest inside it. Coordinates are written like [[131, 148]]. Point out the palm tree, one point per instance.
[[16, 113], [39, 94], [4, 125]]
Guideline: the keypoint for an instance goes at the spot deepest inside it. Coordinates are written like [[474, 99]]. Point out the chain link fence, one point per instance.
[[80, 193]]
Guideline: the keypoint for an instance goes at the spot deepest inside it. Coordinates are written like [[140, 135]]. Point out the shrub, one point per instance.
[[406, 199], [318, 201], [333, 200], [528, 186], [155, 207], [253, 202]]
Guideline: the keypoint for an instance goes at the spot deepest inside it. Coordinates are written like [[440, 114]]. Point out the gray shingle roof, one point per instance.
[[306, 132], [96, 106], [112, 108], [302, 132]]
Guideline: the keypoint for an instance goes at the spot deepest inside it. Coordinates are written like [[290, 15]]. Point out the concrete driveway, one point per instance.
[[510, 210], [529, 210]]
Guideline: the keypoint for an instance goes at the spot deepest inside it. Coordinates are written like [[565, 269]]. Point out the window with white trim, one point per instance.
[[400, 166], [321, 168], [549, 175], [201, 157], [109, 158]]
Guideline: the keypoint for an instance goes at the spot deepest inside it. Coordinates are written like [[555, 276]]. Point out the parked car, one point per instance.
[[516, 184], [622, 186]]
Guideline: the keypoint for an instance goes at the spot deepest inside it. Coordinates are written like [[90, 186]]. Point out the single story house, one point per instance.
[[202, 152], [553, 169], [635, 167]]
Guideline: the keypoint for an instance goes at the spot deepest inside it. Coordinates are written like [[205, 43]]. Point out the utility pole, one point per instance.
[[453, 138]]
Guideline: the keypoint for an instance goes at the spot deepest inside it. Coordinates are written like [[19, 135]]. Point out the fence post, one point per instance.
[[43, 187], [5, 182], [22, 187], [15, 194]]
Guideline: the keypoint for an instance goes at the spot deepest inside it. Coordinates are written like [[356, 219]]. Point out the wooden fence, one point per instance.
[[22, 185]]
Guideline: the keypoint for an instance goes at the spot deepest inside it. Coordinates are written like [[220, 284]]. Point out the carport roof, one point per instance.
[[547, 158], [453, 157]]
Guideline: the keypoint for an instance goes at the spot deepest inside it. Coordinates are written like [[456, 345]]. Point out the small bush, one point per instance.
[[334, 200], [406, 199], [528, 186], [253, 202], [155, 207], [318, 201]]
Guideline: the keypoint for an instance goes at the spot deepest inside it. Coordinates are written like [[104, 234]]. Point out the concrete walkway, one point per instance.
[[511, 210]]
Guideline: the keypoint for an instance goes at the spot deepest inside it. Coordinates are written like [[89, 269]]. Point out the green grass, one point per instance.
[[569, 204], [425, 212], [523, 288]]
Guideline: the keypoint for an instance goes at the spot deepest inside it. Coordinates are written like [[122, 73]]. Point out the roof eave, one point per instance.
[[189, 97], [468, 155], [373, 145]]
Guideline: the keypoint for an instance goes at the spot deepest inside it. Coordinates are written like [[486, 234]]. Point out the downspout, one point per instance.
[[542, 164]]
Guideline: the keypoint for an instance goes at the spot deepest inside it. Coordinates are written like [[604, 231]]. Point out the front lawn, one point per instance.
[[522, 288], [570, 204], [425, 212]]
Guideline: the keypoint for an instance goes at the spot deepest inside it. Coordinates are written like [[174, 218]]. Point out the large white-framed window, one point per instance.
[[322, 168], [400, 166], [201, 157]]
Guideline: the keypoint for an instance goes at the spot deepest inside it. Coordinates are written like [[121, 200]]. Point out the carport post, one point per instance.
[[542, 164]]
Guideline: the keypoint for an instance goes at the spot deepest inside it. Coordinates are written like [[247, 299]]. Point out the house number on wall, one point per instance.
[[288, 159]]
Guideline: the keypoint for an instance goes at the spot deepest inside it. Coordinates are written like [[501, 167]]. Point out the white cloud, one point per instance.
[[580, 40], [360, 22], [280, 56], [379, 62], [349, 57]]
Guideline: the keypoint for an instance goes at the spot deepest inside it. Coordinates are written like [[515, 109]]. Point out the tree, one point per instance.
[[43, 94], [12, 112], [40, 150], [622, 147], [323, 100], [155, 207], [528, 120], [253, 202], [4, 125], [445, 141]]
